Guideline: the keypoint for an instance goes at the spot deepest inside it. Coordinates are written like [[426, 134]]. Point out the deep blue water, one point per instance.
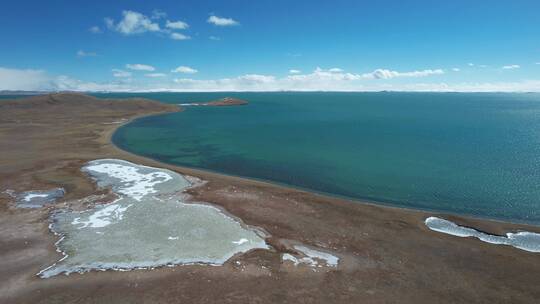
[[467, 153]]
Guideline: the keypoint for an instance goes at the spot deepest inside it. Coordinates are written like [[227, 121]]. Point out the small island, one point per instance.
[[227, 101]]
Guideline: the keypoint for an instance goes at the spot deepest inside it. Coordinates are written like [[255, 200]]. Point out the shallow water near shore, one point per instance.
[[465, 153]]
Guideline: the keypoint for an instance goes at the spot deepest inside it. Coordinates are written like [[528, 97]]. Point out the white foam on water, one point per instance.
[[524, 240]]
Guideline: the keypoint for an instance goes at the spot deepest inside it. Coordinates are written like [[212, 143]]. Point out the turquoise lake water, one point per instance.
[[476, 154]]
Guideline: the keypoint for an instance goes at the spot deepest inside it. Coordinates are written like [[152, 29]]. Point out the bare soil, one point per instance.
[[387, 254]]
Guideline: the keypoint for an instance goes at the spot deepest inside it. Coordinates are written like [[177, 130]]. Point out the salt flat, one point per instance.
[[148, 225]]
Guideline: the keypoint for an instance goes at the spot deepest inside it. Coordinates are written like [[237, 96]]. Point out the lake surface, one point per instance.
[[476, 154]]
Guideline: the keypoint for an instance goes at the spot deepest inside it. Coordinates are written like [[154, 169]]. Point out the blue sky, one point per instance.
[[270, 45]]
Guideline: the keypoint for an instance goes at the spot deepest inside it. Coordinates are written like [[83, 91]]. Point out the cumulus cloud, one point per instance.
[[388, 74], [293, 71], [81, 53], [95, 30], [176, 25], [185, 70], [132, 23], [249, 82], [511, 67], [179, 36], [155, 75], [320, 76], [219, 21], [121, 73], [318, 80], [456, 69], [140, 67], [335, 70]]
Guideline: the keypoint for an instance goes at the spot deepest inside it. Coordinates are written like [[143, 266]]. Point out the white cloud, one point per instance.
[[31, 80], [95, 30], [214, 38], [132, 23], [219, 21], [158, 14], [321, 76], [81, 53], [293, 71], [511, 67], [140, 67], [121, 73], [477, 65], [318, 80], [335, 70], [179, 36], [176, 25], [256, 78], [185, 70], [249, 82], [155, 75], [388, 74], [456, 69]]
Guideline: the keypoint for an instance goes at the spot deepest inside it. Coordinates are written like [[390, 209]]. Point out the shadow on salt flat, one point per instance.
[[524, 240]]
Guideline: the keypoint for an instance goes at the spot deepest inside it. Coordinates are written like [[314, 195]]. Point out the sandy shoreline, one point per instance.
[[389, 254]]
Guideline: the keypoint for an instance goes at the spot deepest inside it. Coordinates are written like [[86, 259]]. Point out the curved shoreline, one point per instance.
[[388, 251], [353, 200]]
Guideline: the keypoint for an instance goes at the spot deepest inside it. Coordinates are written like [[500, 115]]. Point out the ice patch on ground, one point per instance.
[[523, 240], [36, 198], [133, 181], [312, 257], [291, 258], [329, 259], [148, 225], [241, 241], [30, 196], [103, 216]]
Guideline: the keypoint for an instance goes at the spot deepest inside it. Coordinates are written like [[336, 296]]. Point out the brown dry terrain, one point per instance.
[[387, 254]]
